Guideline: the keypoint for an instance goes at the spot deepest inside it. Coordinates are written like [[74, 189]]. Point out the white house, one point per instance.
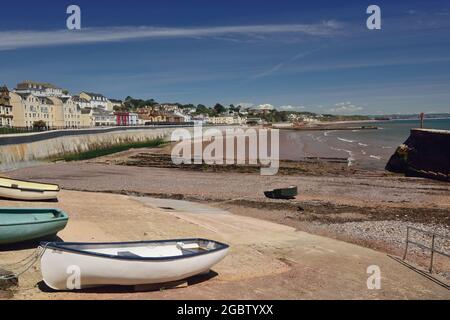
[[40, 89], [96, 100]]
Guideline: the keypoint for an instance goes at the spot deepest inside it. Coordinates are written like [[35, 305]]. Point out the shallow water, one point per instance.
[[370, 149]]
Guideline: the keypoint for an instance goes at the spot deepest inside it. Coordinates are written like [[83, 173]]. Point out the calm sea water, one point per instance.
[[365, 148]]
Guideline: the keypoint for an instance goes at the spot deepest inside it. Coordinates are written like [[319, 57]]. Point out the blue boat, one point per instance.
[[23, 224]]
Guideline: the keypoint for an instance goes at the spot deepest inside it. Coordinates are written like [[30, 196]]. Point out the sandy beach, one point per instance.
[[347, 217], [267, 260]]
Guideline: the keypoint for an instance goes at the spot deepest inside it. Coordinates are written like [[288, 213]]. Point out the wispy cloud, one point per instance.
[[24, 39], [365, 64], [290, 108], [345, 108], [282, 64]]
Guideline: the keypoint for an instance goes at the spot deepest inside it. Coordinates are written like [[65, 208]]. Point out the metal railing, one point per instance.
[[433, 249]]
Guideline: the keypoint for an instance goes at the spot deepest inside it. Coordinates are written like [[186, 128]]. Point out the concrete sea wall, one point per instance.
[[426, 153], [16, 155]]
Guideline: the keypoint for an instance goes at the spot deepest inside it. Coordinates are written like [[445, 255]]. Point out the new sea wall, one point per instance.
[[21, 150], [39, 147], [426, 153]]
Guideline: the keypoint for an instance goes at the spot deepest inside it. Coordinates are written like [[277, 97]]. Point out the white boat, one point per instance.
[[69, 266], [27, 190]]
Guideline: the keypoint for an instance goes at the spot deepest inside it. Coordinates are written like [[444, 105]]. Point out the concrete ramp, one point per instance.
[[178, 205]]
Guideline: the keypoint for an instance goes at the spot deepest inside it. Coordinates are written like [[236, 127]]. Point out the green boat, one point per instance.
[[282, 193], [22, 224]]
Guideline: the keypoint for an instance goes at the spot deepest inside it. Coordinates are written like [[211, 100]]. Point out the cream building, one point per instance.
[[57, 113], [87, 119], [6, 116], [113, 103], [67, 113], [28, 109], [226, 119], [72, 113]]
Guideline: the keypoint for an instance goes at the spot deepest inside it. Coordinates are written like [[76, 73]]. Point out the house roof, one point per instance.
[[92, 94], [78, 99], [43, 84]]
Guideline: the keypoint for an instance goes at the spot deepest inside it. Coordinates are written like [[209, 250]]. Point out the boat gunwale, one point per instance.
[[63, 216], [30, 189], [60, 246]]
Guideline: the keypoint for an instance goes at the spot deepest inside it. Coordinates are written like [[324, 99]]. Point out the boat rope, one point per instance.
[[25, 264]]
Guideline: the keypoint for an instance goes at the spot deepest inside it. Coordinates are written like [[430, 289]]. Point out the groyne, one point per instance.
[[426, 153]]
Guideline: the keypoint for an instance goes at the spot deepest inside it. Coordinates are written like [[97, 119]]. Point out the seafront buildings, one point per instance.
[[45, 106], [126, 118]]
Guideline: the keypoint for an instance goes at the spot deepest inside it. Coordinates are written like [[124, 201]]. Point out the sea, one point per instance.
[[369, 149]]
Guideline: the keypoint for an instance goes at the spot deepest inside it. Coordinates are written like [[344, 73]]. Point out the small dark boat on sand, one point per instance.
[[282, 193]]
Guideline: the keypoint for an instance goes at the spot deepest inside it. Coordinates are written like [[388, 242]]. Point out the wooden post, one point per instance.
[[407, 240], [432, 254], [421, 119]]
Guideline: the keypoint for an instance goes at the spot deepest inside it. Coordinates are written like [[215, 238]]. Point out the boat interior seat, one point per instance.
[[127, 254], [149, 251]]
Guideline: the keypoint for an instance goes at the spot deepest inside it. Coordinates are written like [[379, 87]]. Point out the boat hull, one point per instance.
[[60, 267], [12, 231], [28, 195], [283, 193]]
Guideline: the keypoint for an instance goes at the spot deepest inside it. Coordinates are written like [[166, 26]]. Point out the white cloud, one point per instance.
[[345, 108], [290, 108], [25, 39], [245, 104], [266, 106]]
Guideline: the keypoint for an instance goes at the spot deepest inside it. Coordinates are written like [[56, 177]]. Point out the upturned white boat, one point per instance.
[[69, 266], [27, 190]]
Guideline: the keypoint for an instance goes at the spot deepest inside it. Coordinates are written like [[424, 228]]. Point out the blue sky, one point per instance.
[[296, 55]]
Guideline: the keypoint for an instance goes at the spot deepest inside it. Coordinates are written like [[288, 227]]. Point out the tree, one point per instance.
[[219, 108], [202, 109], [39, 125]]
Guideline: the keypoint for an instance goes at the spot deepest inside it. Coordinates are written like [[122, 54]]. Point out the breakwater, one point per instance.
[[426, 153]]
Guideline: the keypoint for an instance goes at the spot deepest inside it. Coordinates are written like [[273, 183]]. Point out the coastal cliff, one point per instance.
[[426, 153]]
